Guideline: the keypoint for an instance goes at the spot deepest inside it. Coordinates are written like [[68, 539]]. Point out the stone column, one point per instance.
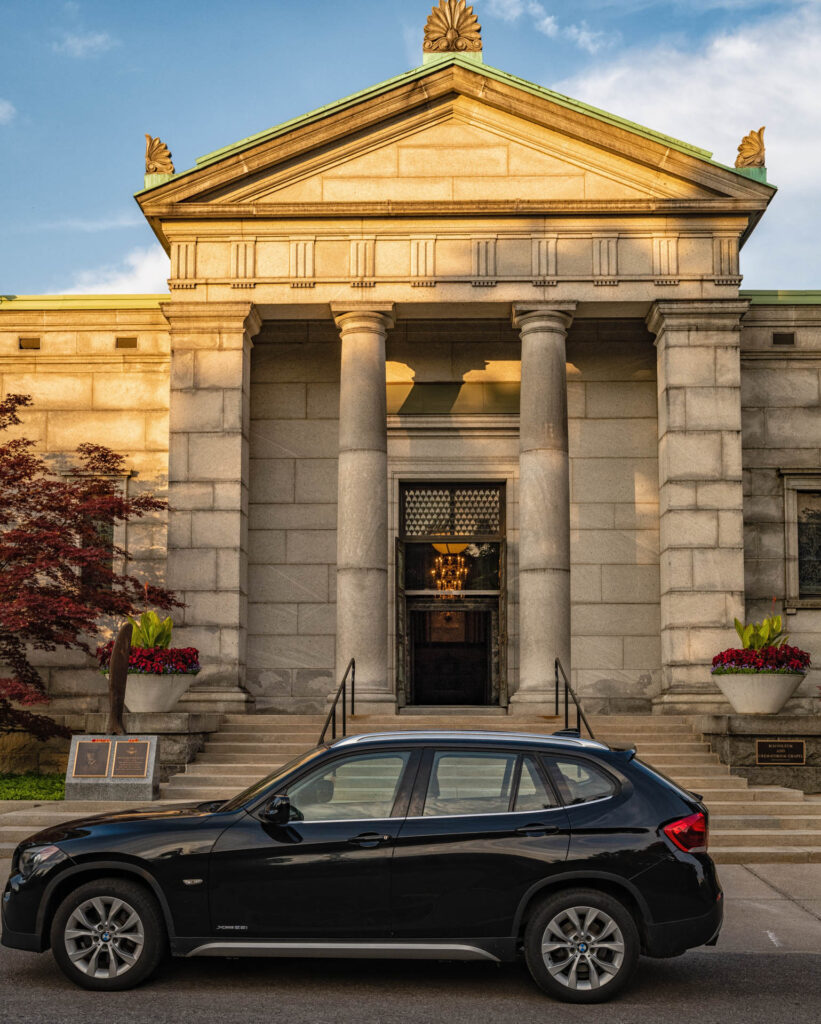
[[208, 492], [362, 517], [544, 505], [700, 494]]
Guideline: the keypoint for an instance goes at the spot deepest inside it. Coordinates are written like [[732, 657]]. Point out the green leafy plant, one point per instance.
[[151, 631], [32, 786], [758, 635]]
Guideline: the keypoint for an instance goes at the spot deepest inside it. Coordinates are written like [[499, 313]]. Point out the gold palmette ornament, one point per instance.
[[751, 152], [157, 157], [452, 28]]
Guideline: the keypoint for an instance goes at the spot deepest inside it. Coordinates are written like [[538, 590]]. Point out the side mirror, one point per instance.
[[278, 811]]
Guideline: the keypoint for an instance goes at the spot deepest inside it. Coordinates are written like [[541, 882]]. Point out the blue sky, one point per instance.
[[81, 82]]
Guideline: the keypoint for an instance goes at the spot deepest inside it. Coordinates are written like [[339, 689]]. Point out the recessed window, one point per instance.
[[784, 338], [126, 343], [809, 544], [30, 343]]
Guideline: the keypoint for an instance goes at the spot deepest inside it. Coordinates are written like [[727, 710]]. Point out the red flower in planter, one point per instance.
[[766, 659], [154, 660]]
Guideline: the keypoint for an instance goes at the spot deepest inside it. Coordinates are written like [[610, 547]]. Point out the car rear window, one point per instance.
[[580, 782]]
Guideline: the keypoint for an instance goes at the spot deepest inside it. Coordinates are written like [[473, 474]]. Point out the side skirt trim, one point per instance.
[[366, 950]]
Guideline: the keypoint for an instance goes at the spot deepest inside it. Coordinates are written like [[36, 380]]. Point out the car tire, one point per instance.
[[581, 946], [108, 935]]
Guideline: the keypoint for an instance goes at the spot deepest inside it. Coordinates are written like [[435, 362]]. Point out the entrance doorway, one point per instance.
[[450, 656], [450, 595]]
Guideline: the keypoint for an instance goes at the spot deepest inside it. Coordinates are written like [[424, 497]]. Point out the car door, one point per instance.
[[325, 874], [484, 825]]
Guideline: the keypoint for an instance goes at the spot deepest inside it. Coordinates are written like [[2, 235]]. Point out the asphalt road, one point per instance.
[[766, 968]]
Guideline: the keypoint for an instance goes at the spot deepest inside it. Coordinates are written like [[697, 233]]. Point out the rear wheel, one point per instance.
[[108, 934], [582, 946]]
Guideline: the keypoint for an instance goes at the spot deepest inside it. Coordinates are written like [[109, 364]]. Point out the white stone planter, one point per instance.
[[145, 692], [758, 693]]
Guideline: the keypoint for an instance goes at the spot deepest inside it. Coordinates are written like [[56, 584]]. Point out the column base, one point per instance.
[[372, 704], [530, 703], [683, 702], [218, 690]]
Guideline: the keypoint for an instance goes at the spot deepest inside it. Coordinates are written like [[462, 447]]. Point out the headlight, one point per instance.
[[34, 857]]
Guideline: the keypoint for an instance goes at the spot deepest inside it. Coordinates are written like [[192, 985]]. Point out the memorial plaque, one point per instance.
[[108, 768], [130, 759], [778, 752], [91, 759]]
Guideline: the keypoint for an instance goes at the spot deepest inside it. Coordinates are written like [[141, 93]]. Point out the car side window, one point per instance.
[[468, 782], [580, 782], [350, 788], [533, 794]]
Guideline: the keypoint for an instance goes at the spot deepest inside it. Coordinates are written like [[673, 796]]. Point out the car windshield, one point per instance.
[[279, 773]]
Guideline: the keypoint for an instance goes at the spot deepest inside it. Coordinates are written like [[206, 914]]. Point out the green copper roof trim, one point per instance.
[[428, 69], [782, 297], [46, 302]]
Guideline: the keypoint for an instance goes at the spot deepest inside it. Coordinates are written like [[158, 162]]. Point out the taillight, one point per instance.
[[689, 834]]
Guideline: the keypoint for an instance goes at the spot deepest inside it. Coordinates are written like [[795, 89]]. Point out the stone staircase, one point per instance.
[[748, 823]]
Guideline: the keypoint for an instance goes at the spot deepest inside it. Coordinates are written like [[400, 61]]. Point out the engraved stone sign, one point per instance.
[[780, 752], [106, 768]]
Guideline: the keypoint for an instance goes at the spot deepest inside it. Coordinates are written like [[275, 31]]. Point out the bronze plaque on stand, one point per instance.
[[91, 759], [130, 759], [777, 752]]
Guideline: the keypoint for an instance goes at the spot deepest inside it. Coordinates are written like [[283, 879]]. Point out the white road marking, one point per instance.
[[774, 939]]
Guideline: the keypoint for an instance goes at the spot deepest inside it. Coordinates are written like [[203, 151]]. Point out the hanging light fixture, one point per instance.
[[449, 574]]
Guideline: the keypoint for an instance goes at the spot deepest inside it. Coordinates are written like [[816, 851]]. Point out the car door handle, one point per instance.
[[537, 829], [369, 839]]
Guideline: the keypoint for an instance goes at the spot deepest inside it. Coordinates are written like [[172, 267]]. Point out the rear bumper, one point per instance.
[[675, 937]]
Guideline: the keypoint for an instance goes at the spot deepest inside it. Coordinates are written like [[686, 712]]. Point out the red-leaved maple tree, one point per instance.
[[57, 579]]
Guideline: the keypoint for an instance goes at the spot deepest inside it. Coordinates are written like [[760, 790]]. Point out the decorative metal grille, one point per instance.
[[452, 510], [809, 544]]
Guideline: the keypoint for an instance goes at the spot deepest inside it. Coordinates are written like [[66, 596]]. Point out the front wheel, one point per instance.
[[108, 935], [581, 946]]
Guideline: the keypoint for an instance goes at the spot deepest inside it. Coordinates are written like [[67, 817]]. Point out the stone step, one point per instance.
[[722, 838], [765, 823], [767, 855], [735, 806]]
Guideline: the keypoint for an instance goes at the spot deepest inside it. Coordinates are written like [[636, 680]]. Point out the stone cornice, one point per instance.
[[696, 315], [211, 317], [440, 209]]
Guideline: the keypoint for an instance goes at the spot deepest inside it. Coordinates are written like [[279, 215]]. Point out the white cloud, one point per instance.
[[7, 111], [583, 36], [508, 10], [586, 38], [90, 226], [760, 73], [85, 44], [140, 271]]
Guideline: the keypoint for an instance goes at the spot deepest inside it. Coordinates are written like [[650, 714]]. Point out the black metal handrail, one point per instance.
[[568, 691], [342, 691]]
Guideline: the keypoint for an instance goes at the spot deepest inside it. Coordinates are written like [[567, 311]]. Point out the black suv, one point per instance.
[[451, 845]]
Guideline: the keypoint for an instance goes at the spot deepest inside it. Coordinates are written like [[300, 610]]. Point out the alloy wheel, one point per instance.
[[583, 948], [104, 937]]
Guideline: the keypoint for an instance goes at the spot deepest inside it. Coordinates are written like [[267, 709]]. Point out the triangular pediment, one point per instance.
[[452, 135]]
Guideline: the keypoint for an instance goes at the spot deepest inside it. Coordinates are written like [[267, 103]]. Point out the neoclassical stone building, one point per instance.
[[454, 376]]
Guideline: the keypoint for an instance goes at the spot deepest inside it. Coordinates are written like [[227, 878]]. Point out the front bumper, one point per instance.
[[675, 937]]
